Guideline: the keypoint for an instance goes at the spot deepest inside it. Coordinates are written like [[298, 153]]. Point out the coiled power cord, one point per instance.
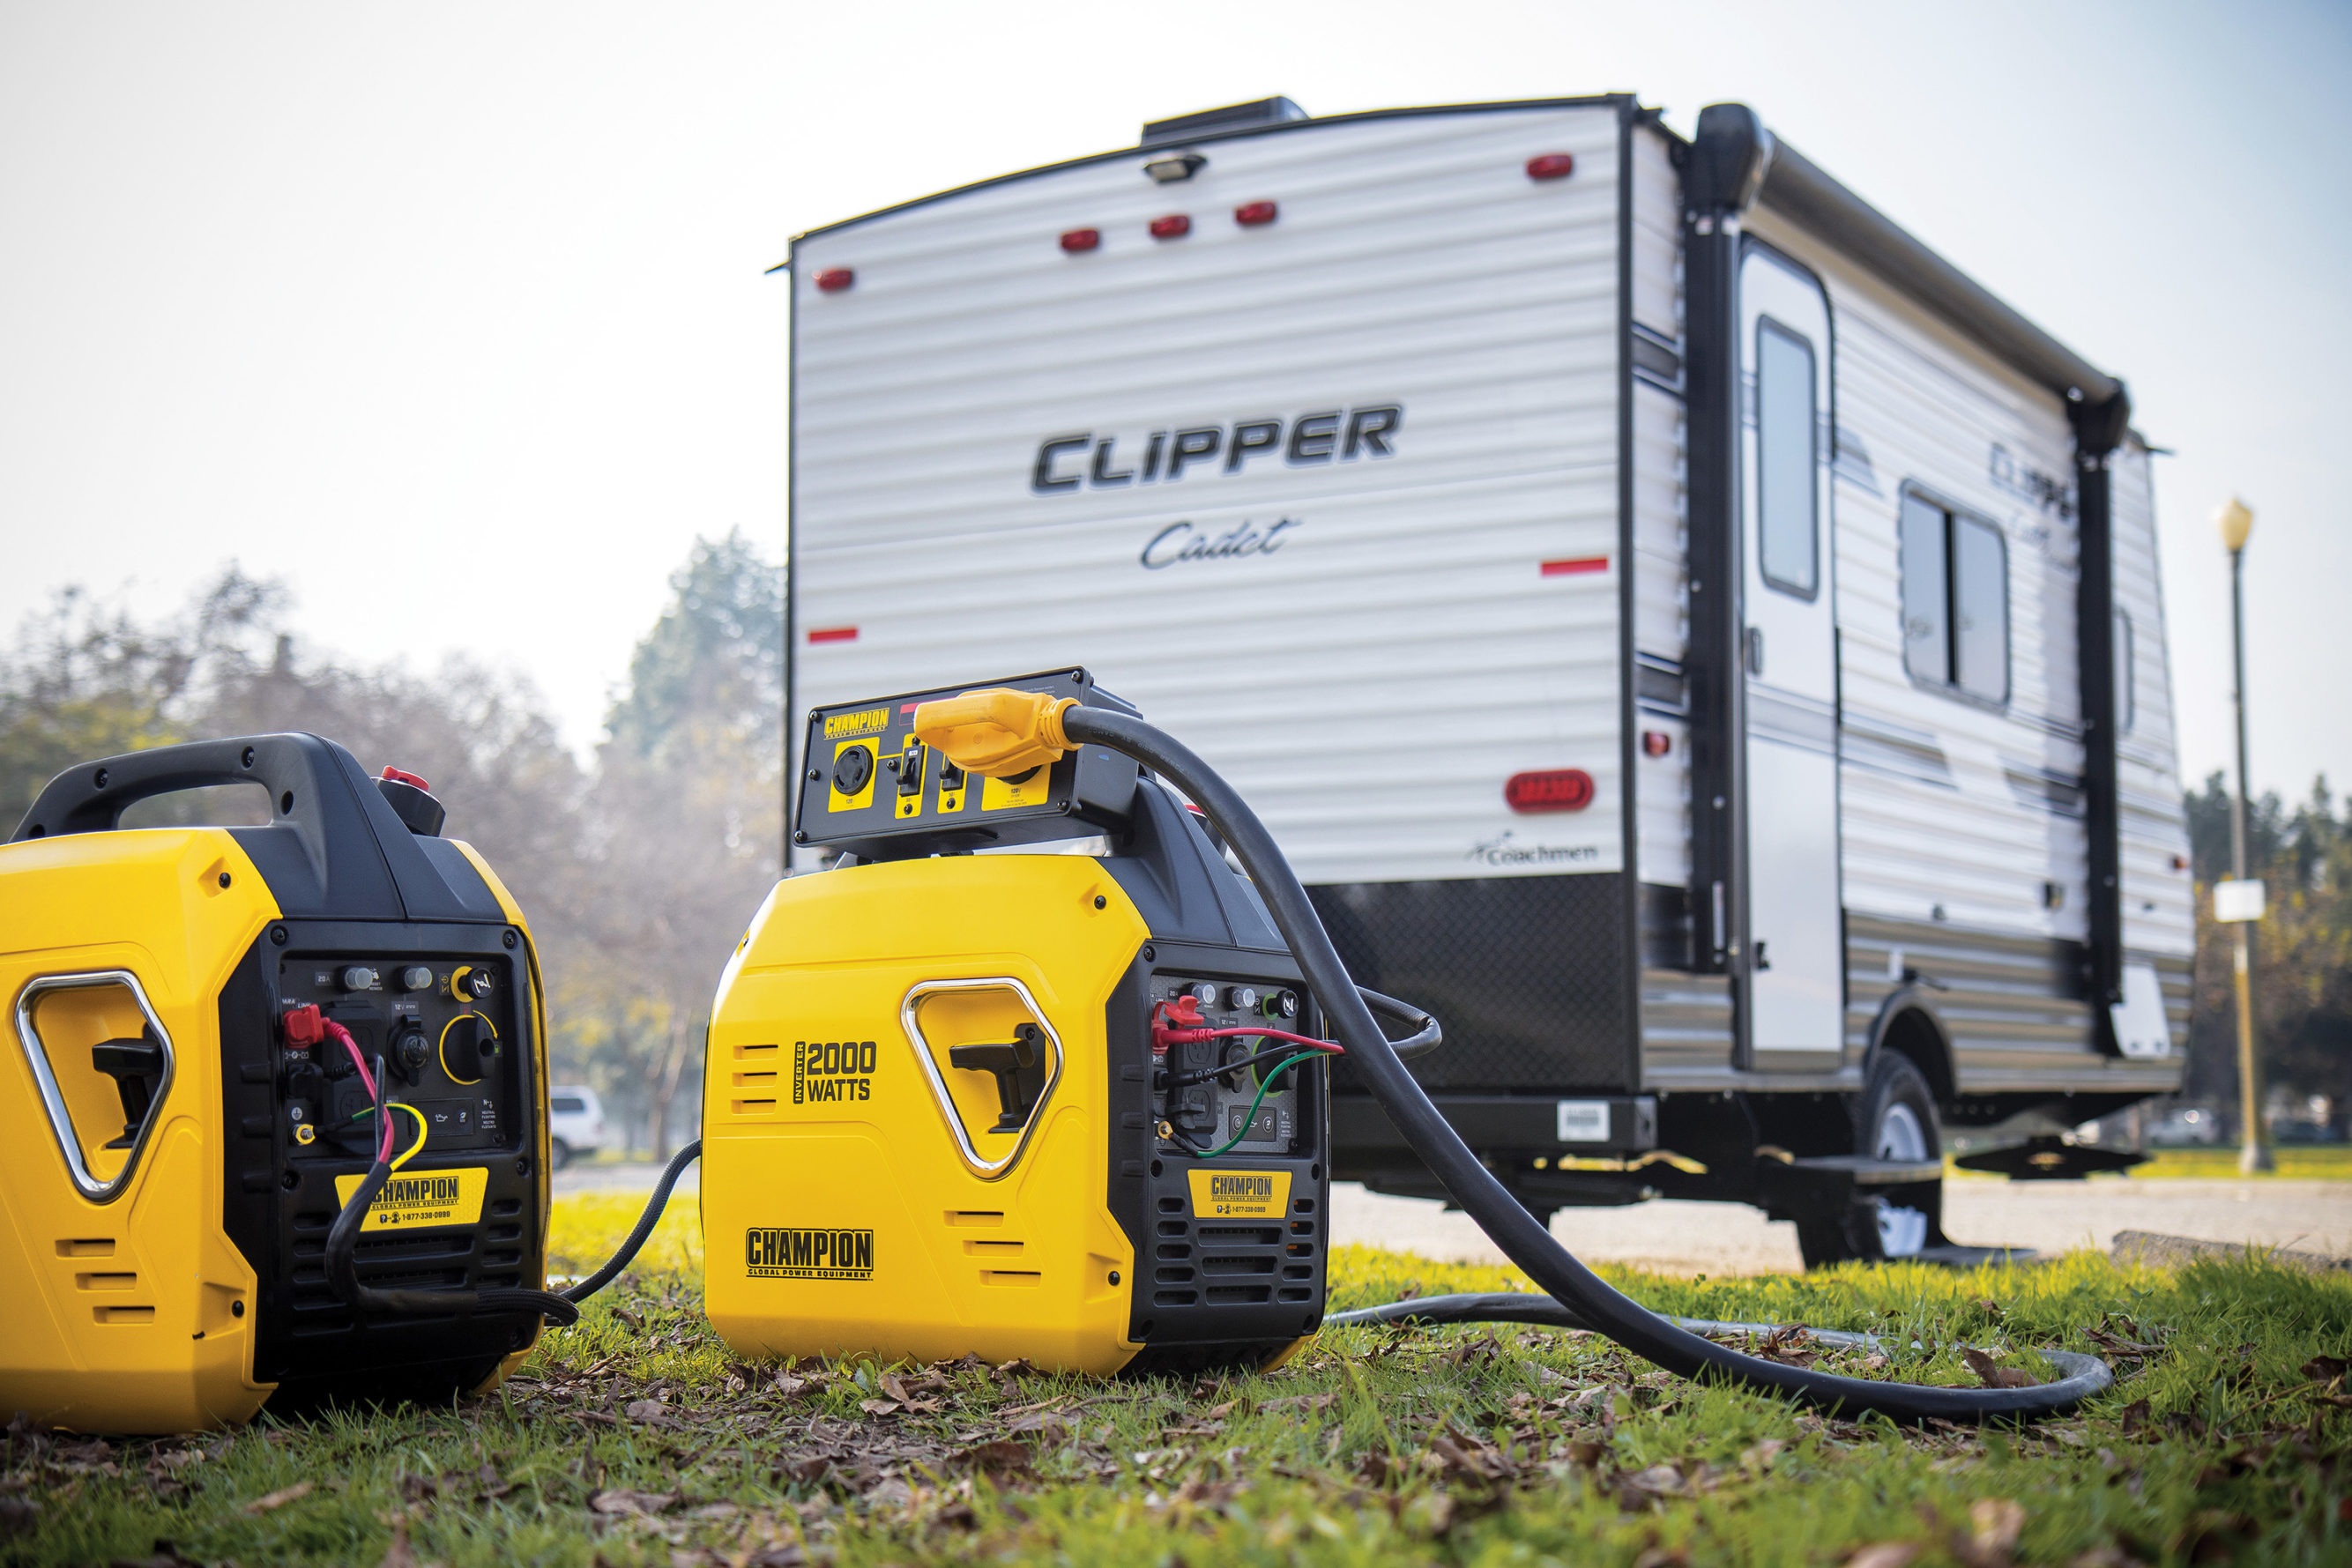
[[1582, 1298]]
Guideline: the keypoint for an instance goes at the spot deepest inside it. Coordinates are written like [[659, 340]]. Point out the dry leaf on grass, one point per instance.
[[1884, 1555], [1995, 1376], [278, 1499], [619, 1500]]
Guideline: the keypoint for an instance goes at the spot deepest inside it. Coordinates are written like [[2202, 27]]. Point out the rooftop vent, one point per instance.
[[1210, 122]]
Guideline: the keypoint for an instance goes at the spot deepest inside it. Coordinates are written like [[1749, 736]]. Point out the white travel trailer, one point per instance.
[[1691, 638]]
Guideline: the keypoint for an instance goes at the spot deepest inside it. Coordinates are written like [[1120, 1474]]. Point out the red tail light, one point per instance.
[[1553, 790], [834, 279], [1081, 239], [834, 634], [1175, 225], [1249, 215], [1551, 166], [1656, 743]]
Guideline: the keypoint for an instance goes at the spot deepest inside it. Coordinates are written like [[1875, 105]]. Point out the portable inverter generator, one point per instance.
[[1068, 1107], [228, 1039]]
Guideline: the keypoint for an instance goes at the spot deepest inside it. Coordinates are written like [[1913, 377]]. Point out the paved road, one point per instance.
[[1722, 1238]]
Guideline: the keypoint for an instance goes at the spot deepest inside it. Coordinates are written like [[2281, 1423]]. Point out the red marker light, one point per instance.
[[1175, 225], [1249, 215], [1076, 240], [834, 634], [399, 776], [1551, 166], [834, 279], [1576, 566], [1656, 743], [1553, 790]]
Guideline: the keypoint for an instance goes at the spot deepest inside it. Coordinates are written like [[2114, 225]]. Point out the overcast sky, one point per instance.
[[452, 316]]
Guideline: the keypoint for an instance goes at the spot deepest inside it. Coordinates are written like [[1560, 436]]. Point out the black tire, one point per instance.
[[559, 1153], [1894, 1116]]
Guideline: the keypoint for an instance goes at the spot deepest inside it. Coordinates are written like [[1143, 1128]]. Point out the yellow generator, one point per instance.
[[220, 1033], [1063, 1106]]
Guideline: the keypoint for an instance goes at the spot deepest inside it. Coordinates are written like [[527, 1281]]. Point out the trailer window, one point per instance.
[[1955, 572], [2126, 695], [1927, 593], [1787, 460]]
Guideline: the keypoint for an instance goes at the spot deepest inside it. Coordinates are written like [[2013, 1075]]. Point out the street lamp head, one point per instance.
[[2236, 520]]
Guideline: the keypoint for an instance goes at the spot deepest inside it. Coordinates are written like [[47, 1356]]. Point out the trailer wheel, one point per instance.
[[1896, 1119]]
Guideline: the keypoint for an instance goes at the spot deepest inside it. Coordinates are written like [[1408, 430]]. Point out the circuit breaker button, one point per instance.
[[359, 977], [416, 978]]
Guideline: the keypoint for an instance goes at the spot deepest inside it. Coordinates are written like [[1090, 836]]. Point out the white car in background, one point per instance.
[[575, 1124]]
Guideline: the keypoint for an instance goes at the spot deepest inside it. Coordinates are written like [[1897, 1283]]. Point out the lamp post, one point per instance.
[[2236, 520]]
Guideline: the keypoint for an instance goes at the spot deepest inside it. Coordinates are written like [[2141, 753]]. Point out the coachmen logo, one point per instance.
[[1504, 851], [783, 1253], [1333, 435]]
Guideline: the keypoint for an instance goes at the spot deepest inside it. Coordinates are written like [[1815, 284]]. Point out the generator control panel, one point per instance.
[[868, 787], [444, 1028], [1253, 1110]]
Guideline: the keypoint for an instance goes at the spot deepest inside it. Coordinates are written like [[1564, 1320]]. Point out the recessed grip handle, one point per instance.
[[1006, 1063]]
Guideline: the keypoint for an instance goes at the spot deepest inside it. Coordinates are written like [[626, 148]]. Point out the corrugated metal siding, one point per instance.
[[1371, 683], [1954, 813], [2159, 904], [1660, 522]]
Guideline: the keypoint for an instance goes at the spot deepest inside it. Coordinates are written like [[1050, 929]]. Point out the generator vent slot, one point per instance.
[[87, 1247], [1294, 1294], [124, 1314], [975, 1216], [1230, 1263], [1178, 1250], [1175, 1297], [1173, 1277], [1174, 1227], [1240, 1295], [506, 1206], [1012, 1277], [106, 1281], [1240, 1235]]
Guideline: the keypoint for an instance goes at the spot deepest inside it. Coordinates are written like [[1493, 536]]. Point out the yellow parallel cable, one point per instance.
[[411, 1152]]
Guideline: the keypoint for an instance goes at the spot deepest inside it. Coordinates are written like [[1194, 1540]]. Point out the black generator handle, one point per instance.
[[335, 847], [91, 797]]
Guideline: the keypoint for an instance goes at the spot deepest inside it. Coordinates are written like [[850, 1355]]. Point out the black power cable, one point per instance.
[[1524, 1239], [343, 1264]]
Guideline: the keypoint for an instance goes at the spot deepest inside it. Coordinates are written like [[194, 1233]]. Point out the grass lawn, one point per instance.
[[635, 1439]]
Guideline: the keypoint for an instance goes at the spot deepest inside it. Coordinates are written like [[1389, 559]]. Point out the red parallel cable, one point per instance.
[[1186, 1036]]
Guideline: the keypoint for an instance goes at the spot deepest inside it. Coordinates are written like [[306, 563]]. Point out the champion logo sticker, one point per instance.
[[1248, 1194], [818, 1253], [422, 1200]]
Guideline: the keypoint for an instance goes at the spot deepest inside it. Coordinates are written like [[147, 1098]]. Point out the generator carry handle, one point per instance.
[[334, 848]]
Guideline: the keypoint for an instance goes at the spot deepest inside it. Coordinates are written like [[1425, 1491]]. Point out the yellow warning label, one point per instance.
[[841, 726], [421, 1200], [1031, 789], [1248, 1195]]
